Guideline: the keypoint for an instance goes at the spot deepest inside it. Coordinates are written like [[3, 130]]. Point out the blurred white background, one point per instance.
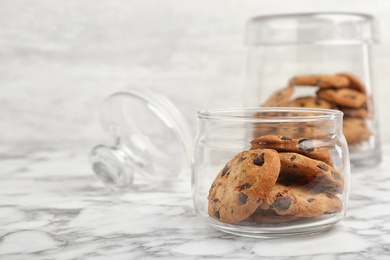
[[60, 59]]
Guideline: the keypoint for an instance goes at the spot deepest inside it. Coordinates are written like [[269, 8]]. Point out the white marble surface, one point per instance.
[[52, 207]]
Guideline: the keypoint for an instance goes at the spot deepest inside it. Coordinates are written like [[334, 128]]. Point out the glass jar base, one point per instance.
[[279, 231], [273, 234]]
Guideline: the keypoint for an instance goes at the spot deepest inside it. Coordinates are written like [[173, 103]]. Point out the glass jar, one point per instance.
[[267, 172], [318, 60]]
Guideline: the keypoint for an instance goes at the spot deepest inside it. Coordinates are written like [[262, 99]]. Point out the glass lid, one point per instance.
[[148, 137]]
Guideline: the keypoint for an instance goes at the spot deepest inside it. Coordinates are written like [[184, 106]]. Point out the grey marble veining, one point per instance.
[[52, 207]]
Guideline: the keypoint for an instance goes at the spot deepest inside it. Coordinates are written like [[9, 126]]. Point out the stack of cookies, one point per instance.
[[278, 180], [342, 91]]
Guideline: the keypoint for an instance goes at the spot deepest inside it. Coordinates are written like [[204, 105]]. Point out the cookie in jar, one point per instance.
[[318, 60], [293, 182]]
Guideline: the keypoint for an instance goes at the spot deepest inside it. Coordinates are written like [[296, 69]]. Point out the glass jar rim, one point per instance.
[[333, 28], [351, 15], [248, 114]]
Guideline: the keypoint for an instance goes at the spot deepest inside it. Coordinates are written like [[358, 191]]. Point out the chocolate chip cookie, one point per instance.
[[355, 130], [344, 97], [312, 102], [303, 146], [355, 112], [241, 185], [300, 202], [354, 82], [297, 169], [322, 81], [269, 216]]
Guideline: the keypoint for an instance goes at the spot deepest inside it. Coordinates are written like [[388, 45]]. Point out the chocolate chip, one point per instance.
[[335, 175], [225, 170], [329, 196], [286, 138], [328, 212], [322, 167], [244, 186], [294, 166], [318, 102], [282, 203], [310, 200], [292, 158], [259, 160], [242, 198], [215, 200], [306, 145], [216, 215]]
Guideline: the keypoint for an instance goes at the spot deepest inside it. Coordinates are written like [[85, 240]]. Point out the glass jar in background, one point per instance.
[[318, 60], [267, 172]]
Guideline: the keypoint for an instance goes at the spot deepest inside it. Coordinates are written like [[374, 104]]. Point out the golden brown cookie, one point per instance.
[[297, 169], [355, 130], [322, 81], [269, 216], [311, 102], [344, 97], [241, 185], [299, 202], [279, 98], [355, 112], [354, 82], [303, 146], [293, 130]]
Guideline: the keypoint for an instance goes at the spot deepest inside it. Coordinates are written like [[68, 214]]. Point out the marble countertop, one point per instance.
[[52, 207]]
